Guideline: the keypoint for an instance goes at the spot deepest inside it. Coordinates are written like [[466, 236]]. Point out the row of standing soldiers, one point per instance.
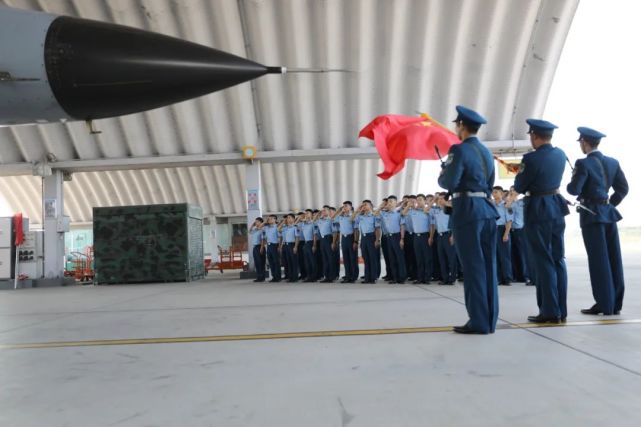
[[413, 236], [425, 246]]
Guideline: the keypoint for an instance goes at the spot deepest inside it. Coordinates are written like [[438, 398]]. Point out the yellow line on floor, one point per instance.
[[285, 335]]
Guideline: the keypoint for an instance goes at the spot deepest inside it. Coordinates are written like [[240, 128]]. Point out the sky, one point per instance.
[[597, 84]]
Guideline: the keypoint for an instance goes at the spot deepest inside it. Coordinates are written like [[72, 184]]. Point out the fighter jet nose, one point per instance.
[[93, 70], [98, 70]]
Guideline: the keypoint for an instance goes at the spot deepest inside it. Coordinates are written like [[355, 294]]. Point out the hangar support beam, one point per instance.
[[502, 147]]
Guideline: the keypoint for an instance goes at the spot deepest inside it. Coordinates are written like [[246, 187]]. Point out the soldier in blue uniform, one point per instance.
[[316, 248], [336, 242], [258, 248], [369, 230], [302, 267], [306, 228], [418, 215], [385, 246], [394, 225], [592, 179], [469, 176], [348, 238], [519, 247], [539, 178], [289, 247], [272, 240], [503, 243], [326, 229], [409, 252]]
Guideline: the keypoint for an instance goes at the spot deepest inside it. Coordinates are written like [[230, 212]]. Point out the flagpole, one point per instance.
[[15, 273]]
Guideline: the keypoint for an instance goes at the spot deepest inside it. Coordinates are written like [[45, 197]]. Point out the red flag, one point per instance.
[[17, 226], [383, 126], [416, 140]]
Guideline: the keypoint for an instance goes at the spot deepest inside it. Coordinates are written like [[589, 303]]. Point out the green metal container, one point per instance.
[[151, 243]]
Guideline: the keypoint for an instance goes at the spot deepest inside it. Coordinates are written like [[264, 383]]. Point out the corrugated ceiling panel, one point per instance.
[[219, 190], [401, 56]]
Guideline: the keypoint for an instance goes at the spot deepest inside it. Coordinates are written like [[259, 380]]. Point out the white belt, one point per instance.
[[469, 194]]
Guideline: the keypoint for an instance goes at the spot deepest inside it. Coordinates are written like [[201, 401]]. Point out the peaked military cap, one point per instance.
[[541, 127], [590, 135], [469, 116]]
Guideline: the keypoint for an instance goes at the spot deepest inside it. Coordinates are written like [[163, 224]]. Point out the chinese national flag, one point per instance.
[[405, 137]]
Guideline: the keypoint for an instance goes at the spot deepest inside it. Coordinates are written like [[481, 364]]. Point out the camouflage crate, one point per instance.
[[152, 243]]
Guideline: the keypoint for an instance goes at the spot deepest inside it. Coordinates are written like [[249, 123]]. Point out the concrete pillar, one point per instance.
[[54, 226], [253, 191]]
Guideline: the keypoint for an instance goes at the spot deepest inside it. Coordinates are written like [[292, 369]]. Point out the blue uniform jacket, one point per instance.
[[592, 187], [541, 172], [466, 170]]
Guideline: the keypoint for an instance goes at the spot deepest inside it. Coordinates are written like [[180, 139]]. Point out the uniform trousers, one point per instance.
[[447, 257], [547, 252], [309, 260], [350, 257], [410, 256], [423, 256], [328, 257], [292, 261], [436, 257], [504, 256], [385, 249], [371, 257], [476, 247], [336, 253], [318, 258], [606, 268], [302, 267], [396, 257], [274, 260], [259, 262], [519, 256]]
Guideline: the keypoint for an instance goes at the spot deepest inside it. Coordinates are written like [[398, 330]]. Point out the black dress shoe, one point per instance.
[[466, 330], [528, 282], [274, 281], [386, 278], [326, 281], [259, 280], [400, 282], [592, 310], [543, 319]]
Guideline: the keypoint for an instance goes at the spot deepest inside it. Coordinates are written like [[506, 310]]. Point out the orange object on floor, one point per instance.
[[230, 259]]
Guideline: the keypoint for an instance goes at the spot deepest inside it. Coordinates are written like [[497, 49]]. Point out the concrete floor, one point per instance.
[[583, 375]]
